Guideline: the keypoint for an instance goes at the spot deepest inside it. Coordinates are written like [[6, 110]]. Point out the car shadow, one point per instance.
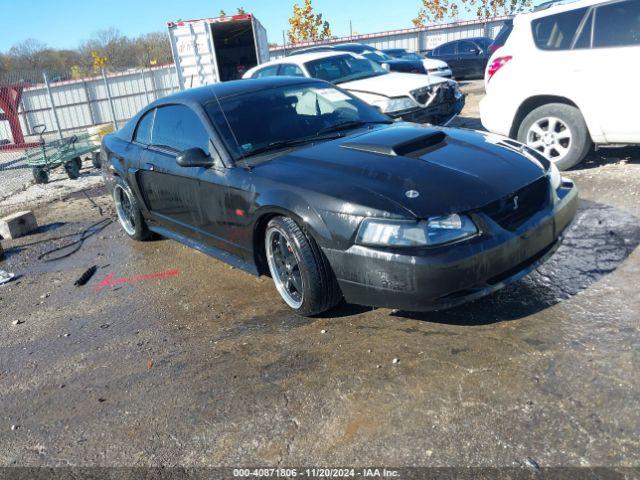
[[609, 156], [598, 241], [472, 123]]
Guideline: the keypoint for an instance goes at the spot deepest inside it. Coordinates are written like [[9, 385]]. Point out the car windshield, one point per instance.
[[411, 56], [284, 116], [344, 68], [376, 56]]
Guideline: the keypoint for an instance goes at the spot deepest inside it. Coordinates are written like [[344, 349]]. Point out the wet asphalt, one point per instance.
[[169, 357]]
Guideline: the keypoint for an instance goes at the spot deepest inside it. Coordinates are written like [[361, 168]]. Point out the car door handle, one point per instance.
[[149, 166]]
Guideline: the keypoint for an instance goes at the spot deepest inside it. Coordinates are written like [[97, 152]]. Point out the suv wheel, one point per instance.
[[558, 132], [129, 214], [299, 269]]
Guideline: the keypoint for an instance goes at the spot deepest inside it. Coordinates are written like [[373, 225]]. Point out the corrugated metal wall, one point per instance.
[[415, 39], [83, 103]]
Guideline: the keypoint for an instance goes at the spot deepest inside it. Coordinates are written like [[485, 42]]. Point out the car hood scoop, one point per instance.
[[401, 141], [453, 170]]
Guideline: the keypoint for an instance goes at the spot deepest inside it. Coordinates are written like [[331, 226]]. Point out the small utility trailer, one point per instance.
[[67, 152], [212, 50]]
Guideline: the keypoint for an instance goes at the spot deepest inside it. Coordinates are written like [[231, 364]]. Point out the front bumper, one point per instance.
[[443, 277], [446, 73], [439, 114]]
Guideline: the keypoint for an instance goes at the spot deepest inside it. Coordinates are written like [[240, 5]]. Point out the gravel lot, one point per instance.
[[202, 365]]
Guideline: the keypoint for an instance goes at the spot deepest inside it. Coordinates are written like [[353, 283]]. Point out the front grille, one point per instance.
[[445, 94], [512, 211]]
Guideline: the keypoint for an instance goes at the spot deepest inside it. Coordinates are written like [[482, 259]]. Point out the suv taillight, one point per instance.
[[496, 65]]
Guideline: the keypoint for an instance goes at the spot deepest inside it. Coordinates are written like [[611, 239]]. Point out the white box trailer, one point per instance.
[[212, 50]]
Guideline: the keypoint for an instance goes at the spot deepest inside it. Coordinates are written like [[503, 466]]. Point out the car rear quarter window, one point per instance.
[[179, 128], [143, 130], [617, 24], [270, 71], [556, 32], [290, 70]]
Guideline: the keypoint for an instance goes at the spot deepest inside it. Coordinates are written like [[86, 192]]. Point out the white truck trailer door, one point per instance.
[[193, 53]]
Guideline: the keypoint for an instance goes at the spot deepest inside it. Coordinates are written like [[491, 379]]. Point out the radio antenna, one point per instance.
[[224, 115]]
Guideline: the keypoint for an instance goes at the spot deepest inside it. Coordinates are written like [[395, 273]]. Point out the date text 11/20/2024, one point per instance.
[[315, 472]]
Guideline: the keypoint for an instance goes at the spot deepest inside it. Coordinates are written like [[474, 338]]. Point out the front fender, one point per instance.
[[283, 202]]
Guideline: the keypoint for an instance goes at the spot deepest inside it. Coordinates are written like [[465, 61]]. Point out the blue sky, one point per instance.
[[65, 23]]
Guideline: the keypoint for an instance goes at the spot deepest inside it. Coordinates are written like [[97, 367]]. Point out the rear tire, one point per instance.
[[95, 160], [128, 211], [559, 132], [302, 274], [72, 167], [40, 175]]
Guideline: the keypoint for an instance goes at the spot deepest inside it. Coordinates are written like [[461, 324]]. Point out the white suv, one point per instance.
[[567, 77]]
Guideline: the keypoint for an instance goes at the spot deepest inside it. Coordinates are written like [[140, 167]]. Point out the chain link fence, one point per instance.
[[31, 101]]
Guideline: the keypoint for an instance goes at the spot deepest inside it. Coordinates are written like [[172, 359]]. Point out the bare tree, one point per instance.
[[28, 54]]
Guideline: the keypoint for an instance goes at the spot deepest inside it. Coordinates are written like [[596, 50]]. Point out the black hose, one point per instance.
[[86, 233]]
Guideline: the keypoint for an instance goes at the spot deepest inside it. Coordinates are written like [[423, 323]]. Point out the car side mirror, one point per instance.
[[194, 157], [475, 51]]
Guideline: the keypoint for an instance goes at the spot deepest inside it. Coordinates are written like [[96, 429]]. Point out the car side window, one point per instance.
[[617, 24], [290, 70], [468, 48], [143, 130], [270, 71], [583, 39], [447, 49], [179, 128], [556, 32]]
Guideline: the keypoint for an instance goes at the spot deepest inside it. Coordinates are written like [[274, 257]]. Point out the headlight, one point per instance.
[[398, 233], [456, 90], [395, 104], [386, 66], [554, 177]]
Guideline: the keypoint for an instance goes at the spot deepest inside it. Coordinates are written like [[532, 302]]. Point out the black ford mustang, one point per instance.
[[297, 179]]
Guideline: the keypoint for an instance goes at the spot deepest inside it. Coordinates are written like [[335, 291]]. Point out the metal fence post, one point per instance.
[[53, 107], [88, 99], [144, 85], [154, 86], [113, 110]]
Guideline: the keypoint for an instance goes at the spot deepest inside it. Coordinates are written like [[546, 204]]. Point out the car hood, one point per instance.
[[392, 84], [453, 171], [433, 63]]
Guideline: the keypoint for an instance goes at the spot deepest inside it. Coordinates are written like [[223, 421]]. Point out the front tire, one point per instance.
[[128, 212], [559, 132], [300, 271]]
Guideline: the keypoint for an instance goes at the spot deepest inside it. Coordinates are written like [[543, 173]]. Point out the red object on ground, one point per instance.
[[10, 96], [110, 279]]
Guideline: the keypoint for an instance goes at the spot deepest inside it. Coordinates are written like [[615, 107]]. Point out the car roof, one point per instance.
[[561, 6], [203, 95], [304, 57], [357, 47], [471, 39]]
